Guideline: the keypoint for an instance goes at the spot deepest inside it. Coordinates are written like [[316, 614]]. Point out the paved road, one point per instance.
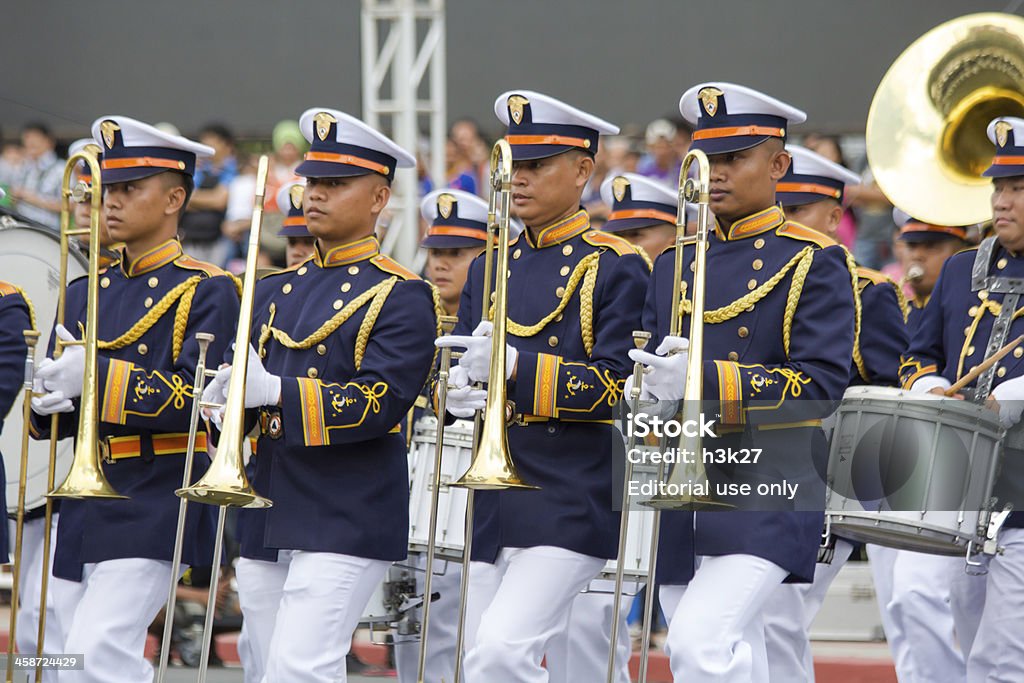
[[235, 676]]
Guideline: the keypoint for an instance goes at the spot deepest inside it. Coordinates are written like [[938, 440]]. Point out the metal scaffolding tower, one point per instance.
[[404, 93]]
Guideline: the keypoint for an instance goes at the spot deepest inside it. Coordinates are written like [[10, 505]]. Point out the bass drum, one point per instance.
[[30, 259]]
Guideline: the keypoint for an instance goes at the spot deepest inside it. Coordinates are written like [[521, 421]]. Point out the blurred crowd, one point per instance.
[[215, 226]]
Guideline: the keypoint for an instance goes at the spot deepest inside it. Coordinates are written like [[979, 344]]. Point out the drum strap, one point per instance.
[[1011, 288]]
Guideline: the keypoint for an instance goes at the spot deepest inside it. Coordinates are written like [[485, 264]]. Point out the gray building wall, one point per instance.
[[253, 63]]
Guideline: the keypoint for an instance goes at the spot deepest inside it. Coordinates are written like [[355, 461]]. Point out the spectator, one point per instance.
[[661, 161], [472, 146], [10, 166], [201, 224], [683, 137], [36, 186], [461, 172], [828, 146]]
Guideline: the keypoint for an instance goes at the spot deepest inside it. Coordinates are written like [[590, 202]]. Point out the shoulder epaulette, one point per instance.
[[873, 276], [186, 261], [282, 271], [389, 265], [599, 238], [6, 289], [805, 234]]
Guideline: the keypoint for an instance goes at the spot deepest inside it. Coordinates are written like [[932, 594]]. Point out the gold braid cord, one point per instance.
[[183, 292], [858, 360], [31, 308], [645, 256], [377, 294], [585, 271], [796, 288], [901, 298], [439, 311], [730, 311]]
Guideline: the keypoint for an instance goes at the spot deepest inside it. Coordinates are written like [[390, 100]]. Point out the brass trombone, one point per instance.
[[492, 467], [685, 476], [85, 478], [31, 338], [225, 483]]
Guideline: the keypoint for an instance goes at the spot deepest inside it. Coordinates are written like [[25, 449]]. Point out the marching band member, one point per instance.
[[811, 193], [762, 348], [16, 316], [300, 243], [574, 298], [343, 345], [152, 302], [457, 235], [972, 312], [928, 247]]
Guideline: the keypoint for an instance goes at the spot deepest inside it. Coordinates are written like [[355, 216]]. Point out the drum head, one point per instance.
[[30, 259]]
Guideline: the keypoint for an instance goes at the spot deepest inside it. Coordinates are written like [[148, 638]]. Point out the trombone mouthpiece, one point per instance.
[[640, 339], [448, 323]]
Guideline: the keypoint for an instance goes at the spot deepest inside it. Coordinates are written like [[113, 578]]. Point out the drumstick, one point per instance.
[[985, 365]]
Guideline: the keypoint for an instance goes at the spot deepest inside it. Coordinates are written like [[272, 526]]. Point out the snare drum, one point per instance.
[[390, 601], [30, 258], [451, 501], [912, 471]]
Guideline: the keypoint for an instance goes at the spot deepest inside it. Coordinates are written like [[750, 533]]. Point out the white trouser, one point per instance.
[[581, 652], [920, 605], [322, 600], [788, 615], [715, 630], [260, 586], [30, 586], [444, 621], [517, 606], [119, 601], [996, 653]]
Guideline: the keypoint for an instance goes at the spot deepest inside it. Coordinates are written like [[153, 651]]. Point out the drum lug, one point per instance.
[[974, 567], [991, 547]]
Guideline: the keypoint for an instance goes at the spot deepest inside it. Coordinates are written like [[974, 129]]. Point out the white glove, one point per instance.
[[216, 391], [667, 375], [261, 387], [53, 402], [476, 359], [465, 401], [458, 378], [925, 384], [64, 375], [649, 403], [1010, 396]]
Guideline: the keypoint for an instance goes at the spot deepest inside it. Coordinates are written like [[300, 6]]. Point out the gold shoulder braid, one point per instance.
[[901, 298], [858, 360], [28, 302], [643, 254], [439, 311], [585, 271], [730, 311], [796, 288], [182, 294], [376, 295]]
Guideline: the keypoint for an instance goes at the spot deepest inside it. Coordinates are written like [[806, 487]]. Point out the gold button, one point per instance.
[[970, 350], [287, 287], [558, 318], [312, 373], [105, 282], [758, 264], [353, 270], [321, 349], [567, 249], [563, 271], [552, 341], [302, 270], [1018, 352], [517, 253], [743, 332], [1001, 263], [983, 294], [1001, 372], [153, 282], [345, 287], [733, 356], [143, 349], [148, 302], [272, 308], [759, 243], [752, 284], [972, 311], [338, 303], [559, 292]]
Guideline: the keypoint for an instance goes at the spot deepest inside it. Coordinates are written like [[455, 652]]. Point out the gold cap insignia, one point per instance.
[[295, 195], [709, 97], [1003, 129], [444, 205], [322, 124], [107, 130], [619, 186], [515, 107]]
